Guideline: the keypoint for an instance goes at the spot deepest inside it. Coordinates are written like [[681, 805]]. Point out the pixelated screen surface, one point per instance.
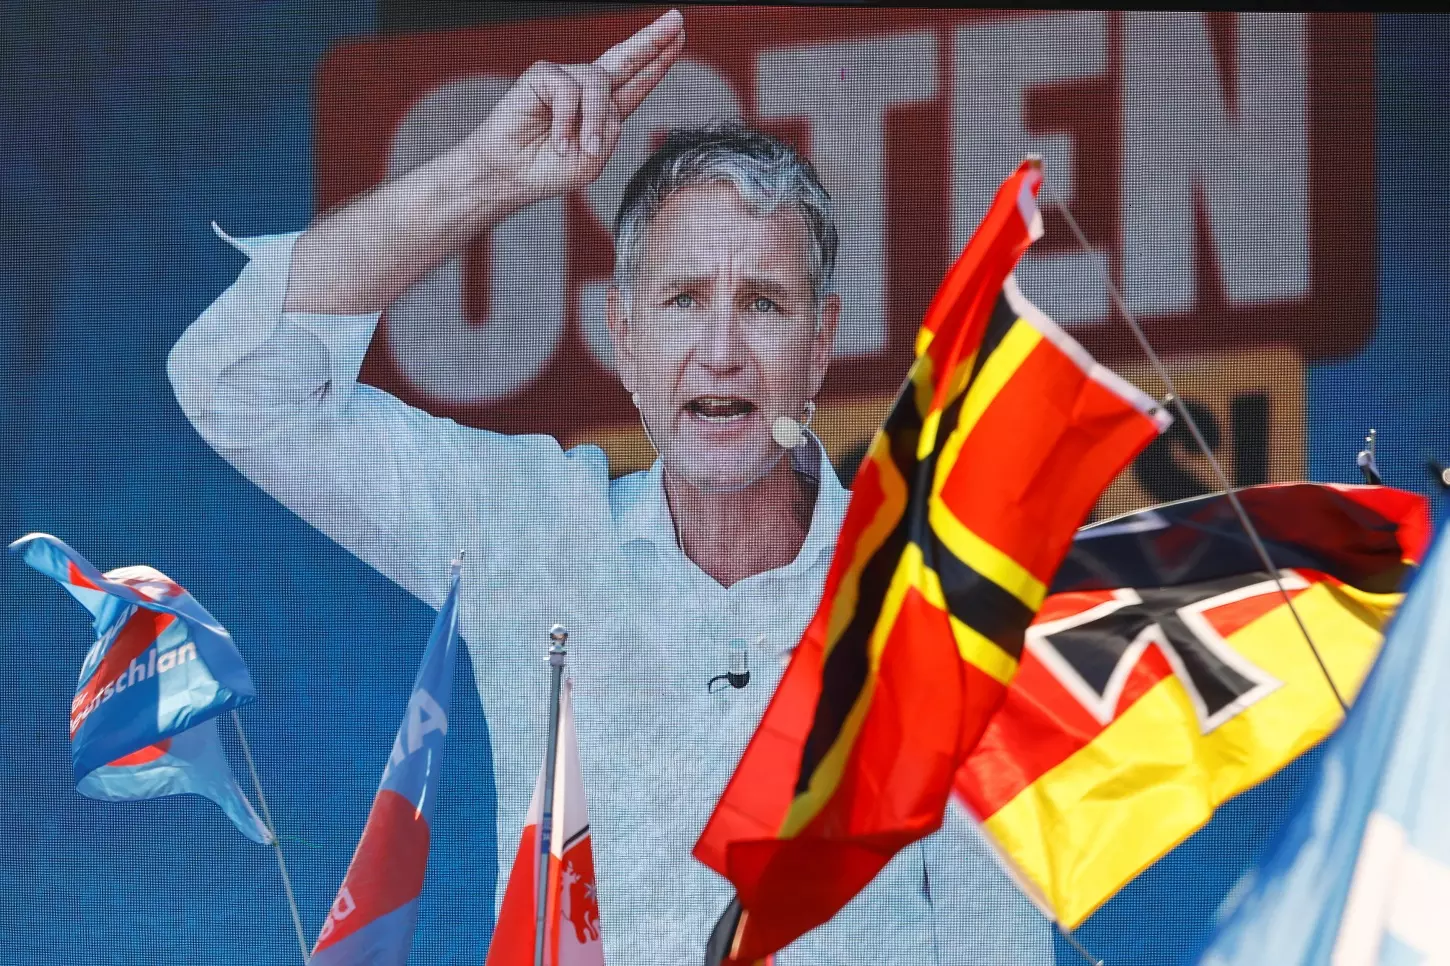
[[303, 433]]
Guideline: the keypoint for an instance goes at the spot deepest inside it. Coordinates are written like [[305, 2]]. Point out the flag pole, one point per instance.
[[1368, 468], [1081, 950], [559, 637], [1188, 420], [272, 831]]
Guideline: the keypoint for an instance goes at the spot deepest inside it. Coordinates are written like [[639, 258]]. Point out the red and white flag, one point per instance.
[[572, 935]]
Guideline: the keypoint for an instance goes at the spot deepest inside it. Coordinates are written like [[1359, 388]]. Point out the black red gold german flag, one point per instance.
[[1000, 442]]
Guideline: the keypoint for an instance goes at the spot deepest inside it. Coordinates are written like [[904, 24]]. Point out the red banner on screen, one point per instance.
[[1220, 164]]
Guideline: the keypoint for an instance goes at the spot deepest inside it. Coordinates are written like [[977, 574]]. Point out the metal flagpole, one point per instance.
[[1081, 950], [272, 831], [1368, 468], [558, 636], [1188, 420]]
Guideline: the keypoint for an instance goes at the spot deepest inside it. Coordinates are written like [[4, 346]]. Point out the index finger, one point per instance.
[[628, 57]]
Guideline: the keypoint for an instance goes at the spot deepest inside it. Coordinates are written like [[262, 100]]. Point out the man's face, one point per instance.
[[721, 334]]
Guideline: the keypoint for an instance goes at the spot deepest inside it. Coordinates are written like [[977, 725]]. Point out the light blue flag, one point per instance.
[[143, 718], [1361, 874], [371, 922], [160, 664], [192, 761]]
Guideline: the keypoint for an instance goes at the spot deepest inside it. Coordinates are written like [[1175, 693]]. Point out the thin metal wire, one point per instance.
[[1188, 420], [276, 844]]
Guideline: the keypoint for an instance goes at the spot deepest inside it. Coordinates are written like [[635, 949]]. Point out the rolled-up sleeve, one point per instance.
[[276, 394], [245, 369]]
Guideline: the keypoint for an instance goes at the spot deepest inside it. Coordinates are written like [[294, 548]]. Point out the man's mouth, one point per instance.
[[720, 409]]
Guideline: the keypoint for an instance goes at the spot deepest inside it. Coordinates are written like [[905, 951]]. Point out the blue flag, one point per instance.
[[1361, 873], [371, 921], [160, 671], [192, 761]]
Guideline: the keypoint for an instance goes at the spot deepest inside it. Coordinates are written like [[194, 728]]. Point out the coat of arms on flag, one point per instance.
[[572, 929]]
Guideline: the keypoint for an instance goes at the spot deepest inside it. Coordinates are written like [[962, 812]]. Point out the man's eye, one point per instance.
[[683, 301], [763, 304]]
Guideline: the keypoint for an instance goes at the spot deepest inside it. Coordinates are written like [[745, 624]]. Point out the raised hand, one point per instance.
[[555, 129], [552, 132]]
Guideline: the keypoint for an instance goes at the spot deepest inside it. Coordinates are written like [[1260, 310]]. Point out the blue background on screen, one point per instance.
[[127, 128]]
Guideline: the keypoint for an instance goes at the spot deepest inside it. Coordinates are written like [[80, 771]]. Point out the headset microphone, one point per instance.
[[787, 432], [790, 433], [634, 398]]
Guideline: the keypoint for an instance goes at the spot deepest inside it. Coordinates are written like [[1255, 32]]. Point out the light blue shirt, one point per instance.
[[550, 538]]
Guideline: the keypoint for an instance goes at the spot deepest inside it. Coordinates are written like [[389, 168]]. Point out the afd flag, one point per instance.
[[371, 920], [1361, 874], [160, 664], [192, 761]]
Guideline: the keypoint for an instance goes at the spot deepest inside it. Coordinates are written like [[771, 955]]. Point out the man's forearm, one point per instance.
[[359, 258]]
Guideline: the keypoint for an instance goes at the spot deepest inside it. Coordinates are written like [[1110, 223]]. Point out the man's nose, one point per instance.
[[722, 344]]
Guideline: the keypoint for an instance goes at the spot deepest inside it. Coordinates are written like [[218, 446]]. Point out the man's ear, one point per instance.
[[823, 341], [616, 318]]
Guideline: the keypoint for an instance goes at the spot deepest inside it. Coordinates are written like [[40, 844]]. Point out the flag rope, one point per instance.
[[1228, 489], [272, 831]]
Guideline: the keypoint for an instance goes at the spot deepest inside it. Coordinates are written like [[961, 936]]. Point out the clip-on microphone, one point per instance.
[[739, 674]]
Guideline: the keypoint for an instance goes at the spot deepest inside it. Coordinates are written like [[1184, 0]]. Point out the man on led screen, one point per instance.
[[722, 320]]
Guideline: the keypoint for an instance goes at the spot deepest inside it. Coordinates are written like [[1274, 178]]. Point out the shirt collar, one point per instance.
[[643, 513]]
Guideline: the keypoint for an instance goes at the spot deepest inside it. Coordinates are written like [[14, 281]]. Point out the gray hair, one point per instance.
[[767, 172]]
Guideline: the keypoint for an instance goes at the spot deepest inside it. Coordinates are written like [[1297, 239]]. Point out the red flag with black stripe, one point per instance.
[[1002, 439]]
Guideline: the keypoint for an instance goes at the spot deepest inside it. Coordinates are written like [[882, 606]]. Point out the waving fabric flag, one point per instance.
[[160, 663], [191, 761], [1165, 674], [371, 920], [160, 671], [999, 444], [1361, 873], [572, 936]]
